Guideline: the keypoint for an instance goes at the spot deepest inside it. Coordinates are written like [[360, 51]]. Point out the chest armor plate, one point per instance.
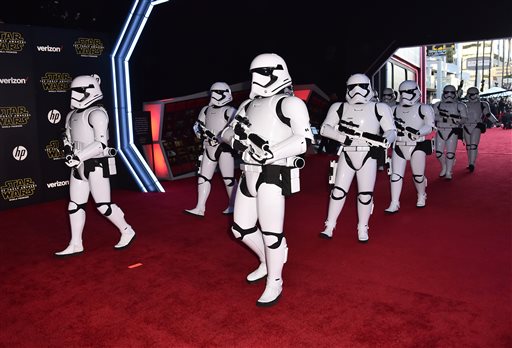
[[449, 108], [82, 133], [215, 118], [474, 112], [264, 120], [411, 117]]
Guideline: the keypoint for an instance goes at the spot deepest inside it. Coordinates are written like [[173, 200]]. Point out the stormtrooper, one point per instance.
[[389, 96], [449, 115], [270, 130], [413, 121], [479, 112], [87, 153], [212, 119], [356, 125]]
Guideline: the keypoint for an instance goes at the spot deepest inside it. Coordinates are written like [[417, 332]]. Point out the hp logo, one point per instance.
[[54, 116], [19, 153]]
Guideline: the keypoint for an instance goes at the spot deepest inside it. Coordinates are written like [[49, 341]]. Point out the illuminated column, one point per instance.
[[137, 166]]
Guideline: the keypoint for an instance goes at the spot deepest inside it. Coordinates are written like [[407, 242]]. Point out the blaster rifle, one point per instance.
[[259, 148], [69, 150], [109, 152], [208, 134], [404, 130], [446, 115], [352, 131]]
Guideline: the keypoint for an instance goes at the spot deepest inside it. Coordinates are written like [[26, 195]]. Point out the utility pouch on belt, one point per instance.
[[290, 180], [426, 146], [107, 164]]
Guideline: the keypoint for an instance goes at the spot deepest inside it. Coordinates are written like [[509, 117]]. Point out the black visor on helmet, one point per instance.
[[362, 85], [449, 92], [410, 91], [82, 89], [266, 71]]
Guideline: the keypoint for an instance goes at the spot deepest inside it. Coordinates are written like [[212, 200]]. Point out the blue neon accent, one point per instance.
[[137, 166]]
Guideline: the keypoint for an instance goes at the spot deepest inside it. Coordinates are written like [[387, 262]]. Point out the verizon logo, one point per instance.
[[48, 48], [13, 81], [57, 184]]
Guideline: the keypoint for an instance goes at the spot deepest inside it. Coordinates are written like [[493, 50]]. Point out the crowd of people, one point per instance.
[[502, 108]]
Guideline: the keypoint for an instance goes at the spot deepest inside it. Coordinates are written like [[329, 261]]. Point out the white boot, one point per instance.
[[255, 242], [362, 233], [77, 222], [271, 294], [450, 164], [327, 232], [231, 195], [276, 258], [394, 206], [229, 210], [196, 211], [127, 236], [203, 191], [421, 202], [443, 166], [72, 249], [258, 274]]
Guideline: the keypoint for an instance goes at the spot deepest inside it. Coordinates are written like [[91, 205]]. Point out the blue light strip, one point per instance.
[[137, 166]]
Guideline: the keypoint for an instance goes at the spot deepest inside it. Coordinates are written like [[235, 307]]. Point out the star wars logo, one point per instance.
[[56, 82], [88, 47], [13, 190], [11, 42], [53, 150], [13, 116]]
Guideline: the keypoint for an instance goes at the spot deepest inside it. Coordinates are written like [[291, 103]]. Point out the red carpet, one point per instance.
[[434, 277]]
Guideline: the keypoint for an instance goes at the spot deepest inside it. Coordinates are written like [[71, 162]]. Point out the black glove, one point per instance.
[[209, 134], [240, 131], [238, 146]]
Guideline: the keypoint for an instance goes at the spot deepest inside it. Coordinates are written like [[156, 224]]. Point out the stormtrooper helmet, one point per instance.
[[388, 96], [375, 96], [410, 92], [449, 94], [85, 90], [269, 75], [220, 94], [359, 89], [473, 95]]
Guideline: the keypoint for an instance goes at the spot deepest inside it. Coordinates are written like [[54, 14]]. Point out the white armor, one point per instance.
[[413, 121], [449, 115], [478, 112], [357, 154], [92, 163], [270, 131], [211, 121]]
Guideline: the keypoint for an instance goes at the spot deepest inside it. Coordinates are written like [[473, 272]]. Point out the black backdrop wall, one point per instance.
[[37, 65]]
